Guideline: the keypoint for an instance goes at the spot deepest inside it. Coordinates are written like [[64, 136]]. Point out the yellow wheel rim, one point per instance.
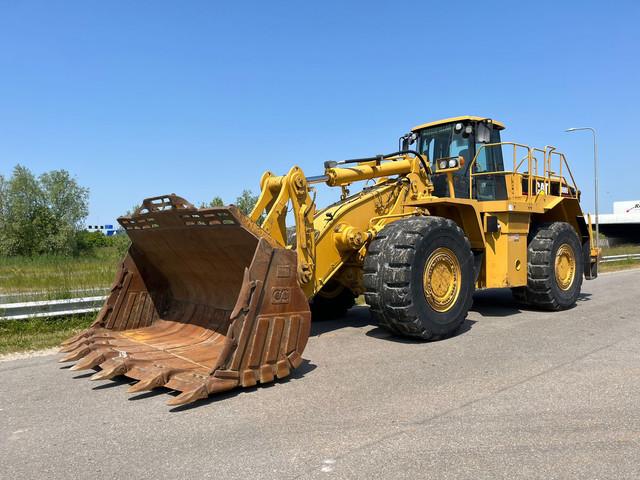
[[442, 277], [565, 266]]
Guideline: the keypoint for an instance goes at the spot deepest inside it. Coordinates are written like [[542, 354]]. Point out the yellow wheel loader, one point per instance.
[[208, 299]]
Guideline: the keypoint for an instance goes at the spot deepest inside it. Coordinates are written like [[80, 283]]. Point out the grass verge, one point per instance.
[[617, 266], [621, 250], [54, 277], [40, 333]]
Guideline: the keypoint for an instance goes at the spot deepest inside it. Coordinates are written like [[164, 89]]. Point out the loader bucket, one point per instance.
[[204, 301]]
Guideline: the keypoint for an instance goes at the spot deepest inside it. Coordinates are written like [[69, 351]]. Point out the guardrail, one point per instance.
[[49, 295], [620, 258], [50, 308]]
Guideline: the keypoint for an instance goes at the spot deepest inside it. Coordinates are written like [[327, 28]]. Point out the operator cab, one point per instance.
[[463, 136]]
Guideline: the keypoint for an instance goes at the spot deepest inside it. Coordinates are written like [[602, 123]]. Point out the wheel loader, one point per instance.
[[209, 299]]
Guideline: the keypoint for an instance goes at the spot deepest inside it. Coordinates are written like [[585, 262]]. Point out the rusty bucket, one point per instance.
[[204, 301]]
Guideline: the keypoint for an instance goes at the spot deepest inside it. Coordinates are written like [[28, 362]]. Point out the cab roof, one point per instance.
[[498, 124]]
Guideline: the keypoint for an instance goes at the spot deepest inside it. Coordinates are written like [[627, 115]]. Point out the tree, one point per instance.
[[246, 201], [132, 210], [40, 215], [3, 187], [216, 202], [3, 195], [67, 204], [23, 213]]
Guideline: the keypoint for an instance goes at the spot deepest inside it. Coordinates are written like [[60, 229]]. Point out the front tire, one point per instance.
[[419, 277], [555, 268]]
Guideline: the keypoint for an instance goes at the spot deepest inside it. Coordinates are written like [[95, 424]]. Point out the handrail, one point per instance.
[[520, 162], [563, 162], [548, 176], [489, 145]]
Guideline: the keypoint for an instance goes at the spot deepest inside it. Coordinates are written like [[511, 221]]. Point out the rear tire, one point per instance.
[[555, 268], [405, 300]]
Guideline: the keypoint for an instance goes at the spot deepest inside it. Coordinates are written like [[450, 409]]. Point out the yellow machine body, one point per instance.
[[332, 242]]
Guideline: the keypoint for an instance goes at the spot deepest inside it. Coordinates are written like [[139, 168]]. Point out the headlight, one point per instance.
[[443, 164], [453, 163]]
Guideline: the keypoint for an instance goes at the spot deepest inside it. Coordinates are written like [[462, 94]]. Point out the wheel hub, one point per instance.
[[565, 267], [441, 280]]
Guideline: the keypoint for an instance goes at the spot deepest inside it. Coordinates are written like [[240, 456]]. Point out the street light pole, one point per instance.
[[595, 174]]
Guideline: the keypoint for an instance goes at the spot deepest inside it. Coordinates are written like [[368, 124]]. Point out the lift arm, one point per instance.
[[341, 230]]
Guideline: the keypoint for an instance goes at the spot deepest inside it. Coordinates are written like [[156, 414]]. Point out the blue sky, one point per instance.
[[199, 98]]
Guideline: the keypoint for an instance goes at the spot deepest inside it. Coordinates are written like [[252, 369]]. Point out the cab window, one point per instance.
[[489, 159]]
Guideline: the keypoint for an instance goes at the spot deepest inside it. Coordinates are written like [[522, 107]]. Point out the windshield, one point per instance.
[[442, 142]]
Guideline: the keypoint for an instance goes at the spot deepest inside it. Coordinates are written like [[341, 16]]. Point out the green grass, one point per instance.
[[621, 250], [40, 333], [48, 278], [57, 277], [616, 266]]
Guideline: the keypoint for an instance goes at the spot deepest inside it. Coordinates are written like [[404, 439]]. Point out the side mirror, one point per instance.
[[406, 141]]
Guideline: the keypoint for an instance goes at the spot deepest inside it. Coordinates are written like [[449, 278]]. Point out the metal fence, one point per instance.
[[620, 258], [50, 308]]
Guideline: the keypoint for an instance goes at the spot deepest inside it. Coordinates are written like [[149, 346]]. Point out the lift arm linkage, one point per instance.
[[272, 207]]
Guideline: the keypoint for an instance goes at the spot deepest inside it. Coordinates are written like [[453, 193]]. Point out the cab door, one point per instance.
[[489, 183]]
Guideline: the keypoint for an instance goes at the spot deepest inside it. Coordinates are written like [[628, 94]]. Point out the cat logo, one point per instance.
[[280, 295]]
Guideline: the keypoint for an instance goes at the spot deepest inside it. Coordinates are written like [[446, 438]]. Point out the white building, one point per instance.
[[623, 225]]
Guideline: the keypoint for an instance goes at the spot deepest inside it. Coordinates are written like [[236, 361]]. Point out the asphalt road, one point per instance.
[[517, 394]]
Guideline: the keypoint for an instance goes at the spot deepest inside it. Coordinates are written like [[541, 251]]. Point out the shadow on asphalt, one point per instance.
[[115, 382], [357, 317], [495, 303], [584, 297], [487, 303], [122, 381], [296, 374], [360, 316], [499, 302], [383, 334]]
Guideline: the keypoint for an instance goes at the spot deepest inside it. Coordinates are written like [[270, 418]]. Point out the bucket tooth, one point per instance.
[[90, 361], [111, 368], [76, 354], [149, 383], [217, 385], [77, 337], [70, 347], [189, 396]]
